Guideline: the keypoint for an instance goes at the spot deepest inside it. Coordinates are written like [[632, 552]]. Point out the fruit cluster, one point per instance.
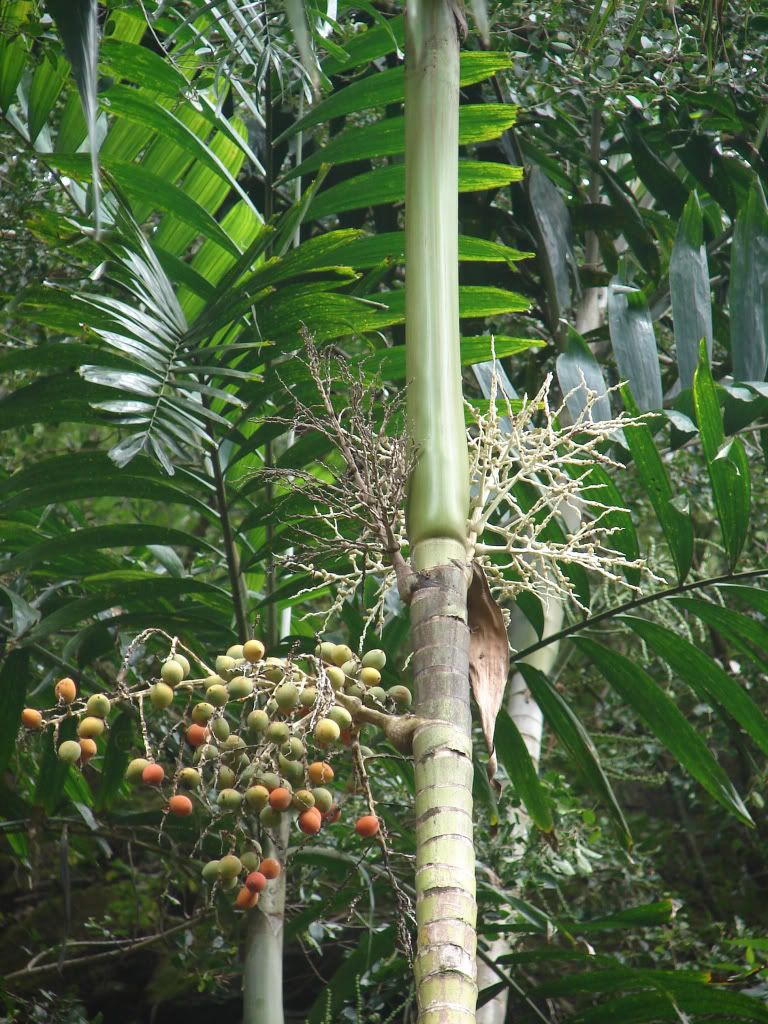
[[253, 740]]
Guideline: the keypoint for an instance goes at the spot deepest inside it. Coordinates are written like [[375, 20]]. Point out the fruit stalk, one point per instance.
[[437, 510]]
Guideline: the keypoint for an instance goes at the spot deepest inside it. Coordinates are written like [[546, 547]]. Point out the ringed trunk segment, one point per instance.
[[438, 495], [446, 911], [263, 959]]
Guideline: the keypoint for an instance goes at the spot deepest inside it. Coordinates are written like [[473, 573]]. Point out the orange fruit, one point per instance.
[[280, 798], [310, 822], [367, 826], [320, 772], [153, 774], [65, 690], [197, 735], [180, 805], [31, 718], [87, 749], [246, 899], [255, 881], [270, 867]]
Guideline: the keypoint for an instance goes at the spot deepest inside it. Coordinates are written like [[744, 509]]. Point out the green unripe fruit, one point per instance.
[[69, 751], [258, 721], [206, 753], [231, 748], [325, 651], [341, 653], [247, 771], [366, 752], [160, 696], [226, 778], [303, 799], [230, 866], [275, 670], [287, 696], [89, 728], [251, 858], [323, 799], [351, 669], [292, 770], [340, 716], [307, 696], [376, 695], [218, 695], [401, 695], [202, 713], [278, 732], [375, 658], [336, 676], [271, 707], [270, 779], [220, 728], [171, 672], [225, 666], [211, 871], [135, 768], [229, 799], [293, 748], [370, 676], [240, 687], [235, 652], [190, 777], [256, 797], [355, 690], [243, 762], [228, 883], [253, 650], [269, 817], [326, 732], [98, 705], [185, 666]]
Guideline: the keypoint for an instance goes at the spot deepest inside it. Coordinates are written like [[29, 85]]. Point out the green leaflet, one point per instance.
[[705, 677], [514, 757], [572, 734], [677, 525], [666, 722], [726, 461]]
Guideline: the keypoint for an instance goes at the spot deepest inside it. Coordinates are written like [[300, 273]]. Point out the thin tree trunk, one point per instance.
[[263, 959], [437, 525]]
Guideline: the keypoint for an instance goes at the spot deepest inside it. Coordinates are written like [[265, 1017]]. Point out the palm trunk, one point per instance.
[[263, 959], [437, 526]]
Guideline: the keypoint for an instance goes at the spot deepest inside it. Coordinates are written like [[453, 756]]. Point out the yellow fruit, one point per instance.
[[218, 695], [230, 866], [87, 750], [171, 672], [90, 728], [135, 768], [69, 751], [65, 690], [160, 696], [341, 653], [325, 651], [98, 705], [202, 713], [370, 676], [257, 797], [253, 650], [336, 676], [303, 799], [229, 799], [236, 652], [185, 666], [326, 732], [190, 777]]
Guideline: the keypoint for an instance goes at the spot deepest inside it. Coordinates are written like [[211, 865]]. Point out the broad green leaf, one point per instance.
[[116, 758], [514, 757], [660, 180], [53, 772], [634, 344], [633, 226], [145, 67], [690, 292], [667, 723], [47, 82], [624, 979], [677, 526], [14, 678], [389, 247], [748, 290], [382, 88], [387, 185], [14, 48], [577, 367], [341, 987], [727, 463], [705, 677], [599, 486], [649, 915], [23, 615], [553, 228], [477, 123], [379, 41], [702, 1000], [77, 22], [390, 364], [574, 737], [745, 633]]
